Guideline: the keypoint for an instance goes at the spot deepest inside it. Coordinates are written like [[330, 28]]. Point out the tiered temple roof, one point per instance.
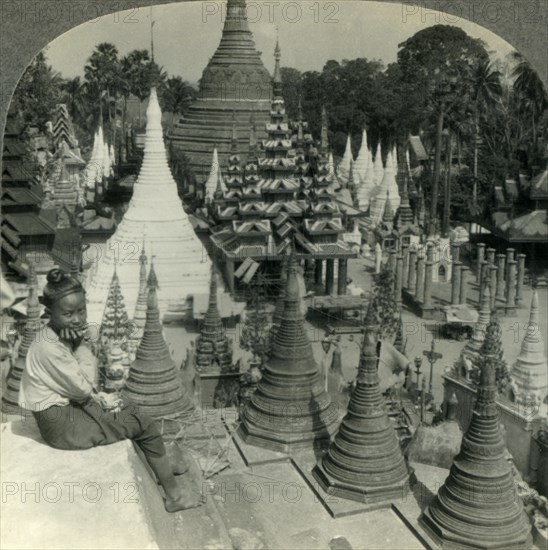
[[477, 505], [530, 371], [235, 81], [154, 383], [364, 462], [155, 217], [290, 408]]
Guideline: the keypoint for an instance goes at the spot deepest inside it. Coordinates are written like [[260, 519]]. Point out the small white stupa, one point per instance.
[[156, 219], [94, 168], [367, 187], [387, 188], [529, 374], [362, 160], [378, 168], [215, 175], [343, 170]]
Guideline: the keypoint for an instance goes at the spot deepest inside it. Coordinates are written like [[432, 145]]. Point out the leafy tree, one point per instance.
[[531, 93], [384, 304], [37, 93], [175, 96], [291, 90]]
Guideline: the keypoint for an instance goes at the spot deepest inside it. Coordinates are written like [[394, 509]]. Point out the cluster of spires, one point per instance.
[[100, 166], [376, 185]]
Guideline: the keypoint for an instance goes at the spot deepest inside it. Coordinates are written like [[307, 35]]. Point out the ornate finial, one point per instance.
[[152, 281]]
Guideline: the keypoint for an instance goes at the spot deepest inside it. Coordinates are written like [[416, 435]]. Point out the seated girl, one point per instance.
[[58, 386]]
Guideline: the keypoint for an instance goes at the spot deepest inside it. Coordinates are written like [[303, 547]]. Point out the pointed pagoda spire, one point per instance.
[[153, 382], [473, 346], [213, 178], [387, 185], [364, 461], [155, 211], [277, 78], [324, 137], [140, 315], [362, 160], [405, 213], [213, 349], [388, 214], [378, 167], [290, 408], [530, 371], [280, 303], [10, 397], [343, 169], [115, 323], [478, 500]]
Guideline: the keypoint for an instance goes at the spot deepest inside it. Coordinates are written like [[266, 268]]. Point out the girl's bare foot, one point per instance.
[[178, 459], [184, 502]]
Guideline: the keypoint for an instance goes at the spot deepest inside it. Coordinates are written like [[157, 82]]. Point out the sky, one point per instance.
[[310, 33]]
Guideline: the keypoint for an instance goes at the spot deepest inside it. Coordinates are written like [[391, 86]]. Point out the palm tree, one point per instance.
[[102, 72], [176, 95], [530, 89], [485, 91]]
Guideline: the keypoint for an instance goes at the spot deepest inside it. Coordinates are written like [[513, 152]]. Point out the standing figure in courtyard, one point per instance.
[[58, 386]]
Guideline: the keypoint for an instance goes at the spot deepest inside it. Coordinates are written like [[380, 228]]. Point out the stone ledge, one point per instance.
[[70, 499]]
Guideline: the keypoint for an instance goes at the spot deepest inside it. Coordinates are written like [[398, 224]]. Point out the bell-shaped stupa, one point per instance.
[[529, 374], [154, 382], [478, 506], [155, 218], [290, 408], [234, 85], [364, 462]]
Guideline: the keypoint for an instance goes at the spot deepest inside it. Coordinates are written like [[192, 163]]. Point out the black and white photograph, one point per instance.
[[274, 275]]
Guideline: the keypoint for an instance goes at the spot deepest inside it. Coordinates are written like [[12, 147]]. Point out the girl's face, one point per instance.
[[69, 311]]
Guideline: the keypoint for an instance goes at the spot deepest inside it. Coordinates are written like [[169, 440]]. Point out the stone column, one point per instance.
[[521, 275], [490, 255], [329, 276], [392, 261], [463, 284], [405, 267], [455, 252], [412, 271], [318, 272], [510, 256], [493, 286], [483, 274], [427, 301], [378, 258], [501, 264], [341, 282], [420, 277], [481, 258], [455, 284], [399, 278], [511, 289]]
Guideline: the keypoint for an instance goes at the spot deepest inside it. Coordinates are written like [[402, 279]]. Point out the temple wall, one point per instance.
[[518, 426]]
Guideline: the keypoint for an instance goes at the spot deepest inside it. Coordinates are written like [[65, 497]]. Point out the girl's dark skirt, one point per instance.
[[83, 426]]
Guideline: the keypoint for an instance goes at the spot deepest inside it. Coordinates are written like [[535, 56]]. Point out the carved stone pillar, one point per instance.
[[412, 276], [420, 277], [480, 260], [463, 284], [341, 281], [329, 276], [511, 288], [455, 284], [501, 266], [521, 275]]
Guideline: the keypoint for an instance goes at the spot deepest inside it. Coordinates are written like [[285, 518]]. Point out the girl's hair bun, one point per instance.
[[56, 276]]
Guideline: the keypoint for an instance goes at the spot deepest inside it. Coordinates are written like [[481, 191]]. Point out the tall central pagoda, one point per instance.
[[290, 408], [155, 219], [236, 84]]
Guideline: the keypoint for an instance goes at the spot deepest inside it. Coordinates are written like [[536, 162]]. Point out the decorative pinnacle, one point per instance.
[[152, 281]]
